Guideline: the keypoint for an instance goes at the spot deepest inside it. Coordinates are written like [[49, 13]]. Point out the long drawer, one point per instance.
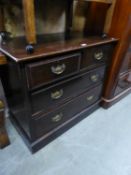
[[44, 72], [53, 96], [44, 123]]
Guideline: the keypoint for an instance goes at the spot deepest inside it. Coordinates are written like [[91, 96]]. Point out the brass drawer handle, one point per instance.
[[57, 94], [57, 118], [94, 78], [90, 98], [99, 55], [59, 69], [1, 104]]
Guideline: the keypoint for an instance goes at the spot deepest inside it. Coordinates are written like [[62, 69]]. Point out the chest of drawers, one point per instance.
[[53, 89]]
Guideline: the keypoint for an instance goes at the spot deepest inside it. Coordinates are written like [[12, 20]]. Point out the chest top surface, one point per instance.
[[50, 45]]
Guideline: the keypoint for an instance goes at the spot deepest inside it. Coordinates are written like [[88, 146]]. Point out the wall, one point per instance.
[[50, 17]]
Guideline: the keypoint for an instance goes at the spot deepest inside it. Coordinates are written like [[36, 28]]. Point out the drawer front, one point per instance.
[[44, 72], [48, 122], [123, 83], [45, 99], [95, 56]]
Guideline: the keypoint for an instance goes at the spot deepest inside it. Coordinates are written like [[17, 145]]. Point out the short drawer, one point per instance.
[[48, 98], [94, 56], [44, 72], [47, 122]]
